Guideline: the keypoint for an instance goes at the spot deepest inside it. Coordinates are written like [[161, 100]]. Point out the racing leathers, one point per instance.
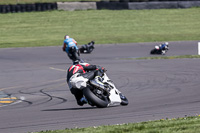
[[70, 47], [164, 47], [87, 71]]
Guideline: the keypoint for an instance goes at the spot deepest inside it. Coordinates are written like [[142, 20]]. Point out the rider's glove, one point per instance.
[[101, 69], [63, 49]]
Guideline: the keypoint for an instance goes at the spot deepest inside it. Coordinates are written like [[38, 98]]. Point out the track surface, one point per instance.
[[156, 89]]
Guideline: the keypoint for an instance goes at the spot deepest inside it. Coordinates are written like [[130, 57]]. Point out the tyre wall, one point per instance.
[[27, 7]]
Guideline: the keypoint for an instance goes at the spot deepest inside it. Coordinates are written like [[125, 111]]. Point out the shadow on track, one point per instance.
[[80, 108], [83, 108]]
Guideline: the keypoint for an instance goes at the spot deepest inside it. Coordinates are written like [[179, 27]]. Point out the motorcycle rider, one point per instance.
[[87, 48], [164, 47], [91, 72], [70, 47]]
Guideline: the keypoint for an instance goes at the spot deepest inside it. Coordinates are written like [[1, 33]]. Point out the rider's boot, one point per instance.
[[163, 52], [82, 101]]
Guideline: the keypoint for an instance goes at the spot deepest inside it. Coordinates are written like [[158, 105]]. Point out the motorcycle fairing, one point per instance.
[[114, 98], [77, 81]]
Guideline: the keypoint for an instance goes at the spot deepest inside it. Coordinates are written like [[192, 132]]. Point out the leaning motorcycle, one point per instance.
[[99, 96], [158, 50]]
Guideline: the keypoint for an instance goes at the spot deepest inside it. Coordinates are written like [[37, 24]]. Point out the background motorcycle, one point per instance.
[[87, 48], [158, 50], [99, 96]]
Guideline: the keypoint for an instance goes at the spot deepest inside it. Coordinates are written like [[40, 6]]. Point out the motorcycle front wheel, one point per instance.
[[100, 100], [124, 99]]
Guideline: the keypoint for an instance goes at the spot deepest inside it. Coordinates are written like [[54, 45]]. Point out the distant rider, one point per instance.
[[87, 48], [91, 72], [164, 47], [70, 47]]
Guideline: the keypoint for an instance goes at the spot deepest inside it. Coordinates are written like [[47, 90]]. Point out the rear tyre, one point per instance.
[[153, 51], [99, 100]]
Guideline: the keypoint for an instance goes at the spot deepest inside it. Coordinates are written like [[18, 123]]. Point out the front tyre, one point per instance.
[[124, 99], [100, 101]]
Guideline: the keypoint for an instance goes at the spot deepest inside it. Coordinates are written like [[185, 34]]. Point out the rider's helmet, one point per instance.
[[157, 47], [167, 43], [66, 37]]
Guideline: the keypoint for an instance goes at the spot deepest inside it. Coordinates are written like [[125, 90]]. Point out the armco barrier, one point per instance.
[[71, 6]]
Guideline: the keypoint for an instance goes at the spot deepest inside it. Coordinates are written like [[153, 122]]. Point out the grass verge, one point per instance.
[[103, 26], [175, 125], [164, 57]]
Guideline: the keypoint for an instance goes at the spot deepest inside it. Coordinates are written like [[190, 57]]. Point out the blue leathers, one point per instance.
[[70, 47], [70, 42]]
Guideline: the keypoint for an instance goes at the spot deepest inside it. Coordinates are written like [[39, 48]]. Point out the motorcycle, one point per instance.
[[99, 96], [87, 48], [161, 49]]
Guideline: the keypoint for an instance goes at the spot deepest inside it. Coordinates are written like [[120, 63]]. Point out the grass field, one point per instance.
[[174, 125], [103, 26]]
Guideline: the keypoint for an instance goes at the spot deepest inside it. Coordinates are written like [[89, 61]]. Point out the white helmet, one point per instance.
[[66, 37], [166, 43], [156, 47]]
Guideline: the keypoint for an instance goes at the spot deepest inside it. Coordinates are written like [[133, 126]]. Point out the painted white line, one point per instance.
[[57, 69]]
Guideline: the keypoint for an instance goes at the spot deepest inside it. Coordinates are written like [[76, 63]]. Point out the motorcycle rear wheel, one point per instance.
[[100, 101], [153, 51]]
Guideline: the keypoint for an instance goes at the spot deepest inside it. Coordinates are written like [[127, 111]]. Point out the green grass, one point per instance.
[[103, 26], [175, 125], [165, 57]]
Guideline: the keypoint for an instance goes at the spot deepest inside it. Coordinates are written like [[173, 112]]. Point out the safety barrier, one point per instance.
[[27, 7], [115, 5], [112, 5]]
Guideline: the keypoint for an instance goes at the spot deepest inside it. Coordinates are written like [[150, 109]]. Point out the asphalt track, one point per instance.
[[156, 89]]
